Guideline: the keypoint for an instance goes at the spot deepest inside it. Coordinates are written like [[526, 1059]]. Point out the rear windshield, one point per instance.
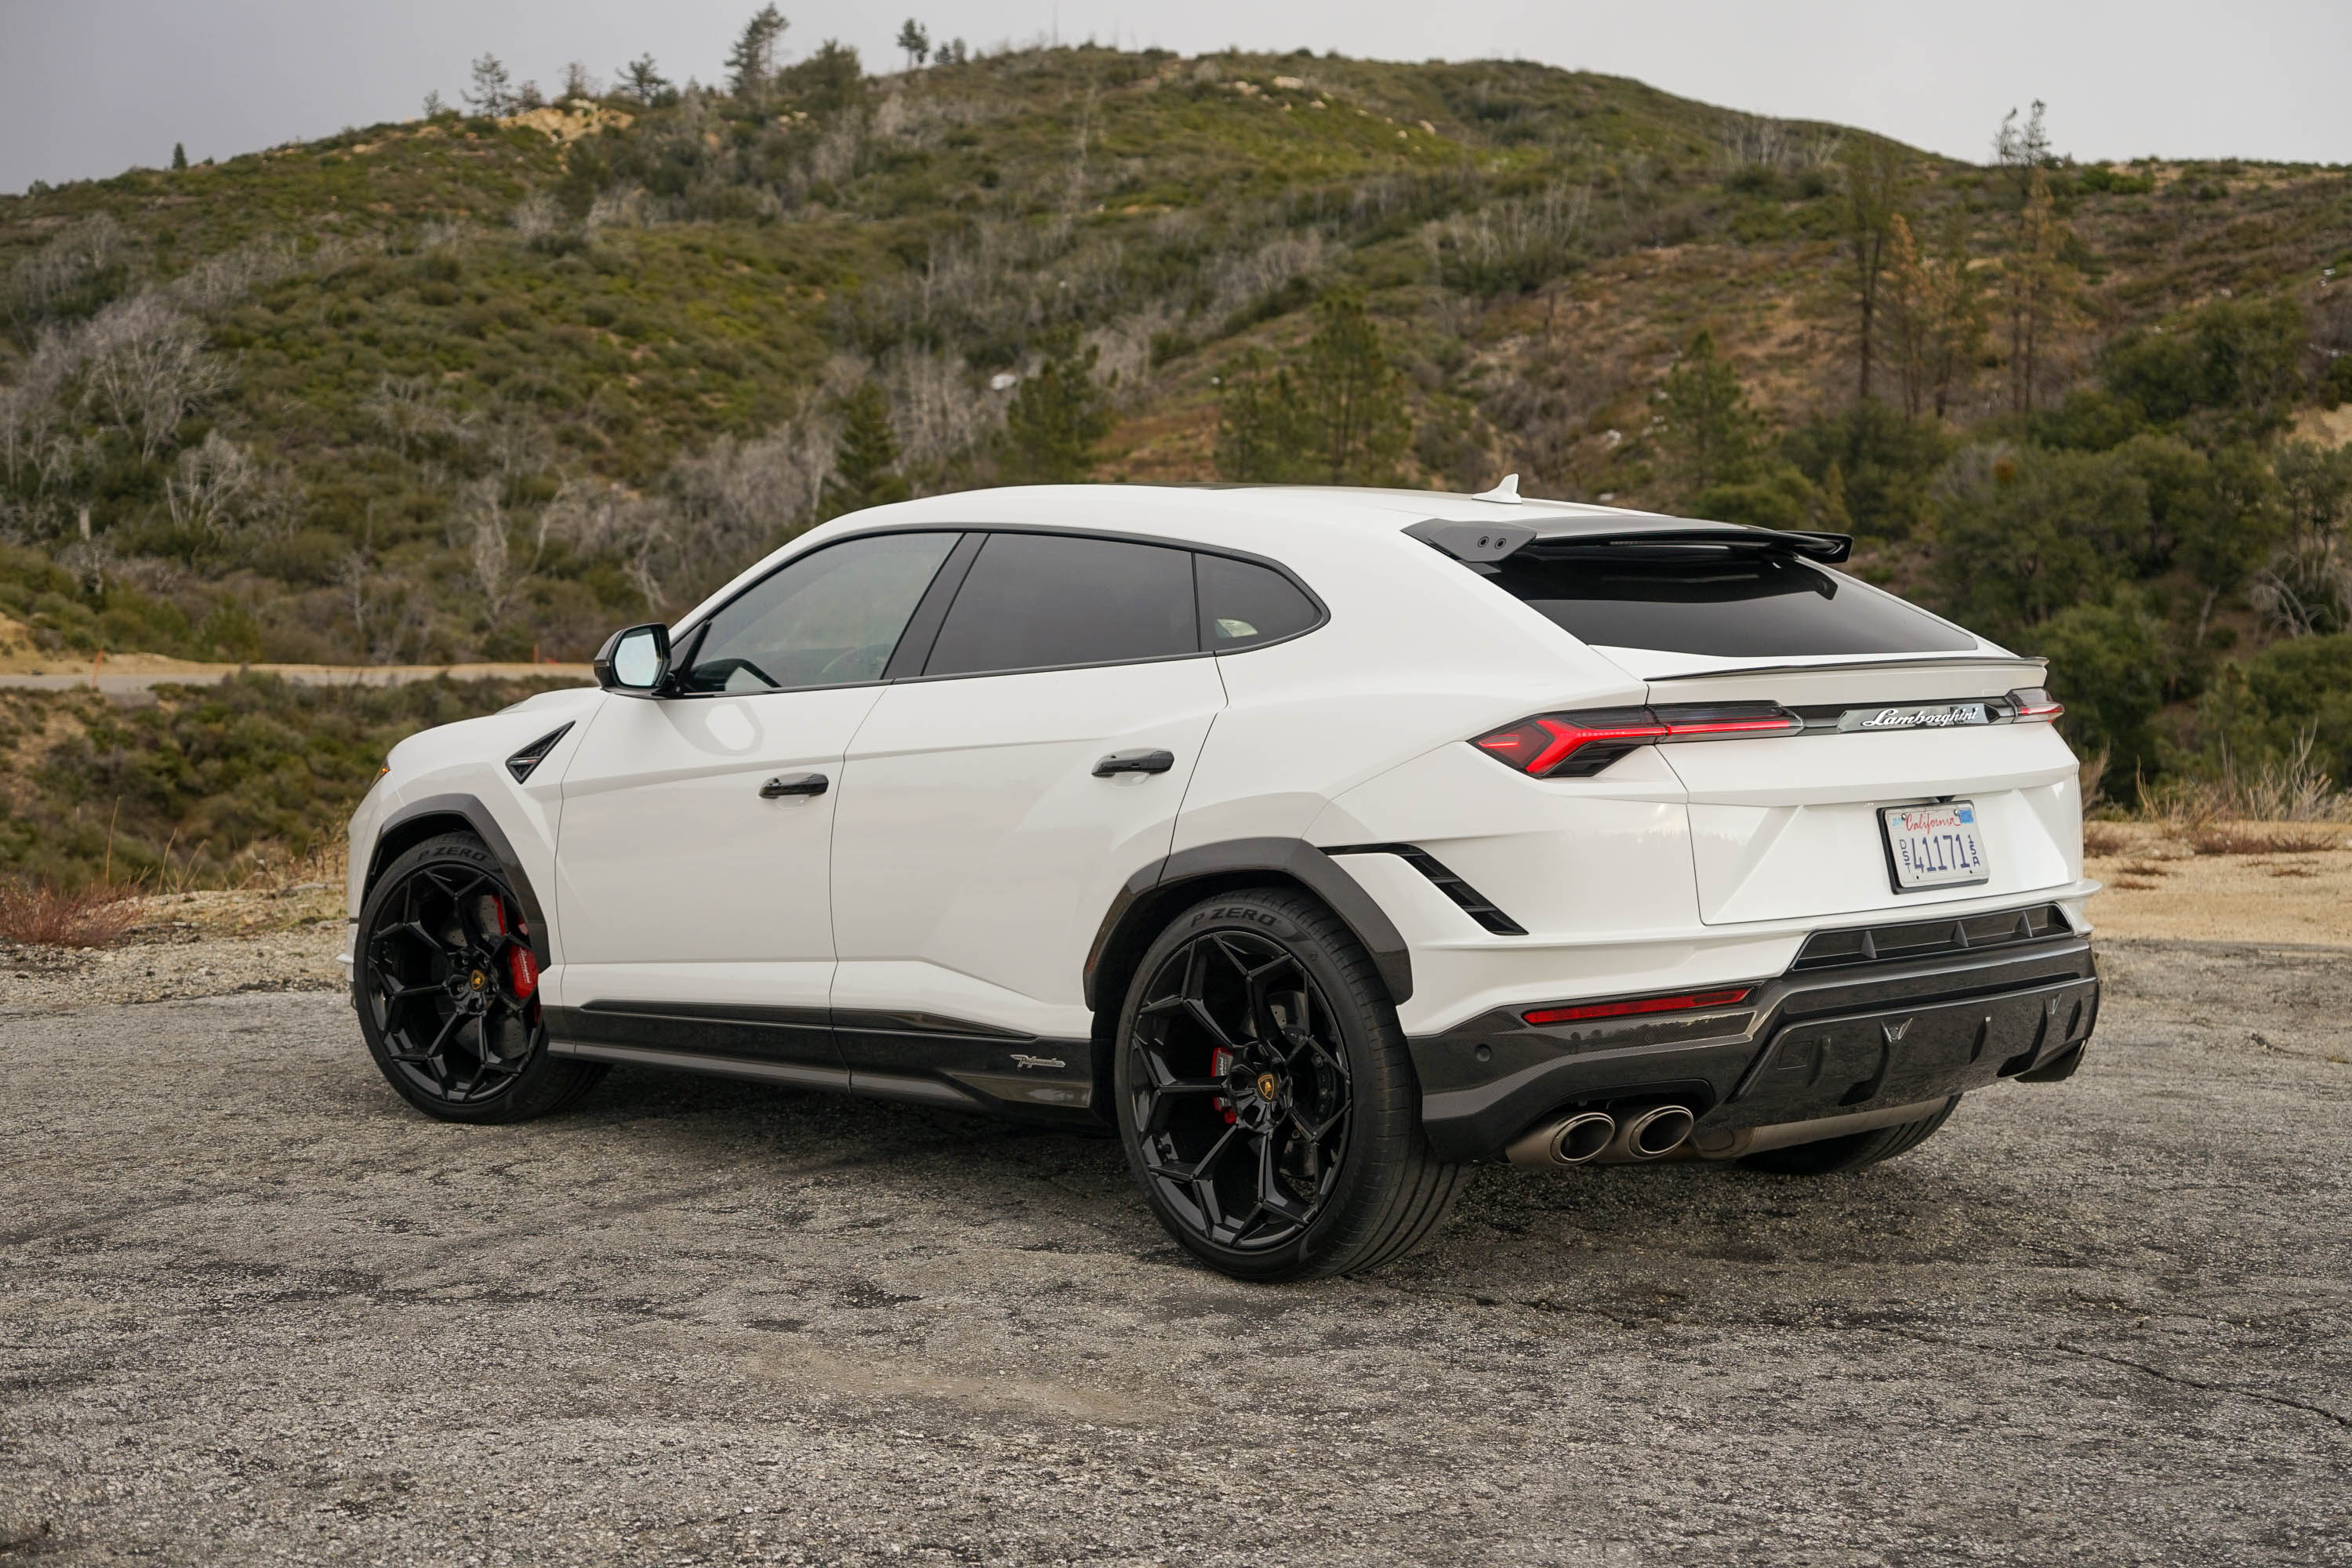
[[1740, 605]]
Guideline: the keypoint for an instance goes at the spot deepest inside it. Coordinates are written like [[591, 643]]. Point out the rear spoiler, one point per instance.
[[1482, 542]]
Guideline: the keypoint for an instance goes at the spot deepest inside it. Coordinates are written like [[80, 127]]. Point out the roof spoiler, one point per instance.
[[1489, 542]]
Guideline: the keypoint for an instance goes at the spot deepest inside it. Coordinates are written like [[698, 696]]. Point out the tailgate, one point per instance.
[[1788, 826]]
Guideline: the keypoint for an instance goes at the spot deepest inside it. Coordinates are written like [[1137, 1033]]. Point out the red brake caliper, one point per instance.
[[521, 968], [1221, 1062]]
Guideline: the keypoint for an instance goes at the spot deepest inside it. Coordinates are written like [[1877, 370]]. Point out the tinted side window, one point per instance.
[[1037, 599], [1734, 603], [1243, 604], [829, 618]]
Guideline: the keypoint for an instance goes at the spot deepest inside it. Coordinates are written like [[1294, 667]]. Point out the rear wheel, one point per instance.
[[1852, 1152], [1265, 1097], [448, 990]]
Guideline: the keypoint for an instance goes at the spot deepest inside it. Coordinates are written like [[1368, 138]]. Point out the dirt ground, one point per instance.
[[253, 1309]]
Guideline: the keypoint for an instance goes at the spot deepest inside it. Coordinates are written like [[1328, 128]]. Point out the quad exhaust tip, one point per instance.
[[1571, 1142], [1590, 1136], [1654, 1133]]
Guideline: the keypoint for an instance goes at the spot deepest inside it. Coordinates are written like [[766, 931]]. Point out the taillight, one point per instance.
[[1577, 745], [2035, 705], [1688, 1002]]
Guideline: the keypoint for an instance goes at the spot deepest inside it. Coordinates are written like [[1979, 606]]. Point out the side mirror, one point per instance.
[[636, 661]]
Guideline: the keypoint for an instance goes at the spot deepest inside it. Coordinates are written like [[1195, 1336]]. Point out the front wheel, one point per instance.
[[448, 990], [1265, 1097]]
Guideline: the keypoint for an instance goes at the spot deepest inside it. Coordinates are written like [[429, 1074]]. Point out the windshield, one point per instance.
[[1733, 604]]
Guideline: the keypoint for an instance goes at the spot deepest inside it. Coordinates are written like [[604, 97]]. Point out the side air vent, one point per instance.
[[525, 762], [1474, 904], [1930, 939]]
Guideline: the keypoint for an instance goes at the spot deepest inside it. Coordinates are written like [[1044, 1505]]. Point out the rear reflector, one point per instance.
[[1685, 1002], [2034, 704], [1577, 745]]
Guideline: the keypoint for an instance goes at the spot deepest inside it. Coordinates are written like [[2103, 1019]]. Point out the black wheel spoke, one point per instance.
[[437, 978], [1233, 1046]]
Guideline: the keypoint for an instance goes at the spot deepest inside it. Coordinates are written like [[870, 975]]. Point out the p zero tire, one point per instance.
[[1852, 1152], [448, 990], [1265, 1097]]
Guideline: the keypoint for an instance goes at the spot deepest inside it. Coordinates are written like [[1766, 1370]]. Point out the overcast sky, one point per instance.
[[93, 87]]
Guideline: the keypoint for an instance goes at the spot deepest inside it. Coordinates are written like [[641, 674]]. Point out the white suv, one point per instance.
[[1322, 841]]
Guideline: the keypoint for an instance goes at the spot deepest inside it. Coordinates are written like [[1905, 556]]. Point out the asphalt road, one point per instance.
[[252, 1308]]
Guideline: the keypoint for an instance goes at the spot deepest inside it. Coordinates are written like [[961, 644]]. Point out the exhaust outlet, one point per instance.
[[1569, 1142], [1651, 1135]]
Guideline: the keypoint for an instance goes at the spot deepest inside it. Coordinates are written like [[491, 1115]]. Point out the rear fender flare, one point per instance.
[[1153, 894]]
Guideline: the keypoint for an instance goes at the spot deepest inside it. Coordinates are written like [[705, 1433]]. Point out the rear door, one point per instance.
[[992, 806]]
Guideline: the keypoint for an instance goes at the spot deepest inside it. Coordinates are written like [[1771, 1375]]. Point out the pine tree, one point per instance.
[[1056, 418], [1707, 432], [865, 456], [1352, 399], [1258, 440], [915, 40], [179, 155], [752, 63], [642, 80], [493, 90], [1873, 203]]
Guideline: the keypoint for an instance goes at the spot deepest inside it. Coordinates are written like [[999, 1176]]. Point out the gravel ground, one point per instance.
[[252, 1308]]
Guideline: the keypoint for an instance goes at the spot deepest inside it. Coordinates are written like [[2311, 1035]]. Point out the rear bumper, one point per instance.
[[1805, 1045]]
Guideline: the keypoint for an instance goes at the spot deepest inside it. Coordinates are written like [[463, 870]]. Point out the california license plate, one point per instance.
[[1934, 846]]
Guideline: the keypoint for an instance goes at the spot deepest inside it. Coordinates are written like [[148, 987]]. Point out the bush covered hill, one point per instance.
[[477, 385]]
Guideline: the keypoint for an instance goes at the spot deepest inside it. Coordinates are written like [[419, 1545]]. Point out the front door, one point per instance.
[[984, 825], [693, 891]]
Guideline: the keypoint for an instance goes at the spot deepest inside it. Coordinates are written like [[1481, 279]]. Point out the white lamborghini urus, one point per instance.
[[1321, 841]]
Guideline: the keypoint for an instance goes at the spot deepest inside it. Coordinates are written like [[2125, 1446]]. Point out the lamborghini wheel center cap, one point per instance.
[[1267, 1087]]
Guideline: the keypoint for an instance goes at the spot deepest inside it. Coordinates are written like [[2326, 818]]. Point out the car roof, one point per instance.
[[1264, 520]]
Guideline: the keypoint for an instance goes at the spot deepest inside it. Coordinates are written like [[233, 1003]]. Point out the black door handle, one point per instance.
[[1135, 763], [783, 785]]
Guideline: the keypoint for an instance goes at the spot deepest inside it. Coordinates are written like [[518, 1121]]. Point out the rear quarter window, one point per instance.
[[1729, 603]]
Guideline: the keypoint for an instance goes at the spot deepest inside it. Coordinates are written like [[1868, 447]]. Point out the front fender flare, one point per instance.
[[477, 818]]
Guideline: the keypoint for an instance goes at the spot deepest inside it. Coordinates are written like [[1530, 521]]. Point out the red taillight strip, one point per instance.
[[2032, 704], [1568, 738], [1681, 1003], [1563, 735]]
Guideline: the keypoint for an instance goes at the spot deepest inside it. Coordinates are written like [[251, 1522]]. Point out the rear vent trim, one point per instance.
[[1472, 902], [1904, 940]]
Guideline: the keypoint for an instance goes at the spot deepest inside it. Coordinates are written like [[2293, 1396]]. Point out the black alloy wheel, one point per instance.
[[1265, 1096], [448, 989], [1242, 1089]]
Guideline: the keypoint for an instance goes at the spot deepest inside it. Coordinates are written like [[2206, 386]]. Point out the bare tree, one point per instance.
[[579, 84], [146, 368], [209, 485]]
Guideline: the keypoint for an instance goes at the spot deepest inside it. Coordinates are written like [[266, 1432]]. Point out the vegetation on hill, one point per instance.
[[495, 381], [209, 786]]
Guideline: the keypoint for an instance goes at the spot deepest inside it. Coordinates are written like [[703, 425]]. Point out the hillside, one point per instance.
[[485, 387]]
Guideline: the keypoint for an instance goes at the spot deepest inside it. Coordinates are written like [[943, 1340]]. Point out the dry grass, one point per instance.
[[2280, 789], [2102, 838], [33, 915], [2243, 839]]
